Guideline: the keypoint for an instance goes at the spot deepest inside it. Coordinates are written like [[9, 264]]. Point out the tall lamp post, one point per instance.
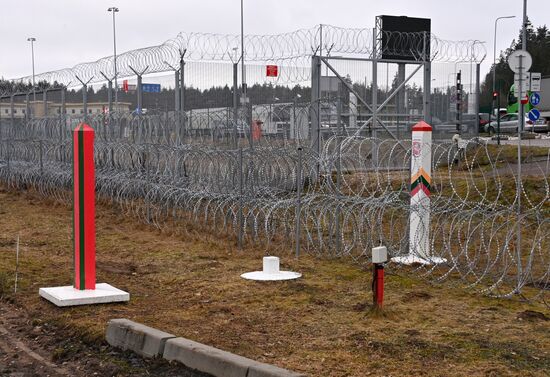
[[114, 10], [495, 58], [242, 52], [245, 102], [32, 40]]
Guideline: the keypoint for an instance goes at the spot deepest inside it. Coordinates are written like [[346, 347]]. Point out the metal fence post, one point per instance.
[[427, 80], [478, 74], [338, 195], [85, 96], [63, 114], [316, 104], [45, 101], [139, 88], [235, 104], [183, 120], [241, 188], [519, 182], [12, 111], [298, 202], [400, 98], [147, 185], [8, 155], [139, 94], [41, 151], [28, 114], [374, 99], [177, 90], [85, 101]]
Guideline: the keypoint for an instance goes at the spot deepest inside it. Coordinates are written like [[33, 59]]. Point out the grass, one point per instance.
[[322, 324]]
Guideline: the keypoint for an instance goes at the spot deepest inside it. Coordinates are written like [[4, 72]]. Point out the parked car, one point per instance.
[[509, 123], [468, 125], [539, 126], [483, 120]]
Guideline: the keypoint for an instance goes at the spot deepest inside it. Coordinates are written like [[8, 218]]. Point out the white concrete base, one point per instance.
[[413, 259], [262, 276], [69, 296], [271, 272]]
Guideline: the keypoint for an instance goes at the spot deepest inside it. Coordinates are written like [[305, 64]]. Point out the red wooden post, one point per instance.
[[84, 207]]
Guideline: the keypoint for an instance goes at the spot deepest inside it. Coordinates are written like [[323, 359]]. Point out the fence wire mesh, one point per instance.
[[314, 165]]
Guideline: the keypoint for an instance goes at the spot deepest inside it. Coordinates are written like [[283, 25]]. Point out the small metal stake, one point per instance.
[[16, 265]]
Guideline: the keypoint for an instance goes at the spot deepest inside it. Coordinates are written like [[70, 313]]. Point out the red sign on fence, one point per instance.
[[272, 71]]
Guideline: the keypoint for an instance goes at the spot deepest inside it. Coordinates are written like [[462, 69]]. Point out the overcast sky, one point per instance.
[[73, 31]]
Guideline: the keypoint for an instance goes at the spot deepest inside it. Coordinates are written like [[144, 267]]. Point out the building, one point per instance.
[[41, 109]]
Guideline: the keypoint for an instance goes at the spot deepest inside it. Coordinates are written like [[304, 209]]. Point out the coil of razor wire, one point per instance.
[[292, 51], [354, 195]]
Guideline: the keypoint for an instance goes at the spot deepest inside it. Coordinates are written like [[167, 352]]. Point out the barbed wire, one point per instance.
[[291, 51], [353, 196]]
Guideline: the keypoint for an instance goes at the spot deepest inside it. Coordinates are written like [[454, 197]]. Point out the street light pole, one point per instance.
[[244, 93], [495, 58], [32, 40], [242, 51], [524, 29], [519, 187], [476, 109], [115, 10]]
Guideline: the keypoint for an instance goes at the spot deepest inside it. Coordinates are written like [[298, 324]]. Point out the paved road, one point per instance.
[[527, 142]]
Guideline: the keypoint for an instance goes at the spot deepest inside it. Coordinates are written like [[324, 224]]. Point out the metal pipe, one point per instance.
[[32, 40], [235, 104], [298, 201], [495, 57], [241, 189], [520, 130], [114, 10], [243, 67]]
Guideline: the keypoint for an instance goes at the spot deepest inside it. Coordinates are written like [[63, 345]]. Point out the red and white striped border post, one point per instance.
[[84, 207]]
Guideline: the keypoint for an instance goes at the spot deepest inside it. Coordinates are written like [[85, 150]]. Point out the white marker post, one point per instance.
[[271, 272], [419, 222]]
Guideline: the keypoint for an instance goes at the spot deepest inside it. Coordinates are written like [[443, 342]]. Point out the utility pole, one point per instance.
[[495, 61], [520, 130], [235, 98], [32, 40], [243, 74], [115, 10], [458, 101]]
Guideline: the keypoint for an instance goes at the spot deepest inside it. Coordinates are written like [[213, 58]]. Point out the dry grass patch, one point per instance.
[[322, 324]]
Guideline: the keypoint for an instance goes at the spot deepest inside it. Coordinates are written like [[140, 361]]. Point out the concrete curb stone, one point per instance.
[[217, 362], [149, 342], [143, 340]]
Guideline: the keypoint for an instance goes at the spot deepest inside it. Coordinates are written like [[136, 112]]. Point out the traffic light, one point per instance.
[[495, 96]]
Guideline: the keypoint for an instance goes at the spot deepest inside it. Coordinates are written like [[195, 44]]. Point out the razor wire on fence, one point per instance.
[[351, 197], [291, 51], [327, 175]]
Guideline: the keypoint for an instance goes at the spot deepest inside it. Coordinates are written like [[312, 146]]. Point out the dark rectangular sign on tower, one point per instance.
[[404, 38]]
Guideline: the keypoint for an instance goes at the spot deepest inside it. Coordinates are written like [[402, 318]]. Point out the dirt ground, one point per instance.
[[32, 347], [189, 285]]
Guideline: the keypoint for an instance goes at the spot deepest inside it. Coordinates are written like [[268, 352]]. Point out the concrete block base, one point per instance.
[[69, 296]]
